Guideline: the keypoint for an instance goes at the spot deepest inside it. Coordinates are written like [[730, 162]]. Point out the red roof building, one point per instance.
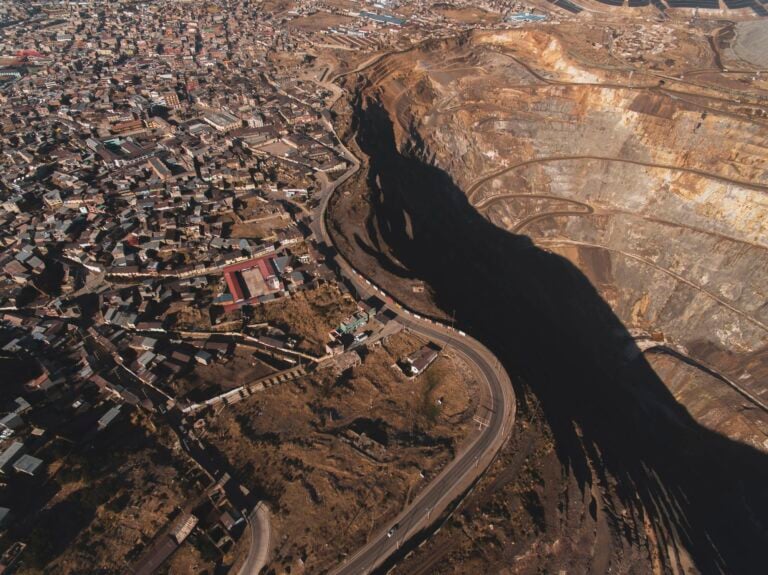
[[234, 279]]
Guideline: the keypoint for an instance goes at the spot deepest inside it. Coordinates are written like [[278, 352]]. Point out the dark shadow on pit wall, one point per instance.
[[552, 329]]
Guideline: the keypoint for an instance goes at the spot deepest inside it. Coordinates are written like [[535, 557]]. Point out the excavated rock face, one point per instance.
[[661, 202], [605, 232]]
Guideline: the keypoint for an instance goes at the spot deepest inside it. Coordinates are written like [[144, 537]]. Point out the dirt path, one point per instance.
[[519, 227], [472, 189], [678, 277], [666, 350], [589, 210], [486, 202]]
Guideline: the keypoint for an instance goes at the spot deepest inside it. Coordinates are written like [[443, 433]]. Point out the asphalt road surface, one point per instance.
[[258, 552], [472, 460], [469, 464]]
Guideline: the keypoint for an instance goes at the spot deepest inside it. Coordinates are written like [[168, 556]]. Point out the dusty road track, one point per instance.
[[475, 186], [676, 276]]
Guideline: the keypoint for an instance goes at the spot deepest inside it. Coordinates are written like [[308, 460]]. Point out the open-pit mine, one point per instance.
[[601, 223]]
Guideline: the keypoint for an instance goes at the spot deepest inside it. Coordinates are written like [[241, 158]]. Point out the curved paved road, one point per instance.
[[473, 459], [261, 535], [460, 474]]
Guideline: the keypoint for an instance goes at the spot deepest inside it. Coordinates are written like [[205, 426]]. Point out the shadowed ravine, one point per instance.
[[614, 423]]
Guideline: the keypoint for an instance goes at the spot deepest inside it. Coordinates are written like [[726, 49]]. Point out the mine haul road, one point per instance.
[[473, 459]]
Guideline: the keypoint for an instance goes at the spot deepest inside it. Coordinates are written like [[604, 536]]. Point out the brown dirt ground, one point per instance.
[[238, 370], [319, 21], [256, 230], [187, 559], [467, 14], [190, 317], [309, 314], [326, 495], [111, 501]]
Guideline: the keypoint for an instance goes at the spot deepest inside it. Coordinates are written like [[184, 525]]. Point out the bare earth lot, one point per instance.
[[328, 490]]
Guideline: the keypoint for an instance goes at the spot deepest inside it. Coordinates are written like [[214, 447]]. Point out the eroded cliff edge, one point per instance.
[[605, 232]]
